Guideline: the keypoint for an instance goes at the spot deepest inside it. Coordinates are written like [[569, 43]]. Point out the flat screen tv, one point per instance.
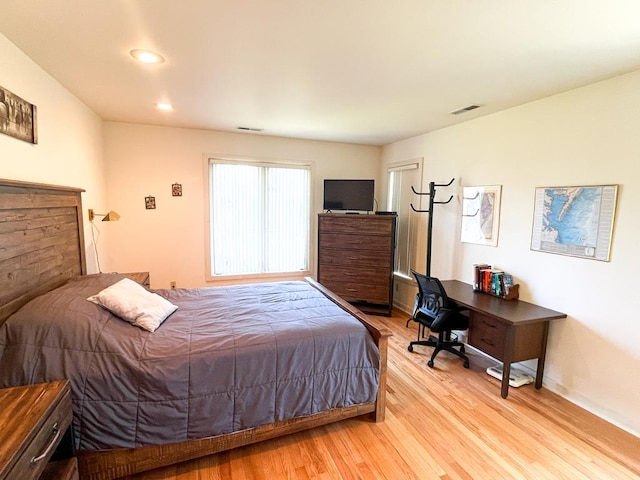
[[354, 195]]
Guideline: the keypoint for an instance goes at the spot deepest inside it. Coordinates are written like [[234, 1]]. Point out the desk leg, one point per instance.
[[543, 353], [508, 358], [506, 371]]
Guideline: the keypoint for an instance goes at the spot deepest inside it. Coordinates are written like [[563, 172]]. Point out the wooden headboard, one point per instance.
[[41, 240]]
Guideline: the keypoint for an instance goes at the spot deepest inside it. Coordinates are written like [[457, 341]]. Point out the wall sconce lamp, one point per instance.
[[111, 216]]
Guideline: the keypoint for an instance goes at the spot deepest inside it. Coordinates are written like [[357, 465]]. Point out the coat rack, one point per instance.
[[431, 193]]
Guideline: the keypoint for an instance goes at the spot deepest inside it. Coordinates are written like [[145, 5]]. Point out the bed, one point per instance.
[[229, 367]]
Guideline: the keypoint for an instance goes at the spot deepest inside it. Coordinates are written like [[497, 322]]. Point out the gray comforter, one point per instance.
[[228, 359]]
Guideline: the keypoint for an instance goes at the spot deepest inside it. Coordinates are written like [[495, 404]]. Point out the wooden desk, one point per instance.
[[508, 330]]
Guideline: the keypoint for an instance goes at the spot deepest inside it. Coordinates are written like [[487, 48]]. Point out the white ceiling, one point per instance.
[[358, 71]]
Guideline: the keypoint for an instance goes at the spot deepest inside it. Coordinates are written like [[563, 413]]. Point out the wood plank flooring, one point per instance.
[[445, 423]]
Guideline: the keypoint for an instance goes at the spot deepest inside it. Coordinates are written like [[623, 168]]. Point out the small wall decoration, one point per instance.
[[576, 221], [176, 190], [150, 202], [18, 117], [481, 214]]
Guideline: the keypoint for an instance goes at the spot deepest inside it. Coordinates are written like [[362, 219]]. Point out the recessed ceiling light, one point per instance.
[[146, 56], [164, 106]]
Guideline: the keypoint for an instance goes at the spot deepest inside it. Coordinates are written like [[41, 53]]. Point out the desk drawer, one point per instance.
[[488, 334]]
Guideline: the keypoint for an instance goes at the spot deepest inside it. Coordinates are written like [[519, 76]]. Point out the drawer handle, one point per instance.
[[487, 341], [489, 325], [56, 432]]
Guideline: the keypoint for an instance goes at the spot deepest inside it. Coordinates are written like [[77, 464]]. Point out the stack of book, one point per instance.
[[492, 280]]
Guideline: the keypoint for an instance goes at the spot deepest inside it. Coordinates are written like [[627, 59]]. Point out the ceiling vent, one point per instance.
[[465, 109], [250, 129]]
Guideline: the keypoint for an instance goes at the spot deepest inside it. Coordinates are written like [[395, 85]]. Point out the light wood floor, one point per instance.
[[445, 423]]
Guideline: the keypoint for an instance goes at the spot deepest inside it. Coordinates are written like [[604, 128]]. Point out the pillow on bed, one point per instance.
[[133, 303]]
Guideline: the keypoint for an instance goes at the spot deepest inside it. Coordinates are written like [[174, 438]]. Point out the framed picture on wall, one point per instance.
[[576, 221], [481, 214], [18, 118]]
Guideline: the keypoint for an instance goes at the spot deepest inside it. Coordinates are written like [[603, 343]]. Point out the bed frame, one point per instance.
[[42, 246]]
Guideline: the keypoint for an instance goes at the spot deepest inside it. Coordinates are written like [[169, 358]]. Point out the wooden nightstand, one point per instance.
[[141, 277], [36, 422]]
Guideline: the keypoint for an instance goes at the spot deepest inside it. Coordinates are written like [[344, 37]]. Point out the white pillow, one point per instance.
[[133, 303]]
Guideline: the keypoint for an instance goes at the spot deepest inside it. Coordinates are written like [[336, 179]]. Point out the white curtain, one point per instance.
[[401, 178], [259, 218]]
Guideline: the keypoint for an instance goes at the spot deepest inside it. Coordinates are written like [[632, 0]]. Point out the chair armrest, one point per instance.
[[441, 319], [443, 316]]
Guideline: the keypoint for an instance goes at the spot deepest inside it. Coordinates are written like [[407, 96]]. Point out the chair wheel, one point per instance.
[[466, 364], [410, 348], [430, 363]]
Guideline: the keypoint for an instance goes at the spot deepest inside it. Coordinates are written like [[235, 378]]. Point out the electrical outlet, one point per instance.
[[172, 284]]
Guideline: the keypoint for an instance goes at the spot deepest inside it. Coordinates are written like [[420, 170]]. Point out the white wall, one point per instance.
[[69, 148], [169, 241], [583, 137]]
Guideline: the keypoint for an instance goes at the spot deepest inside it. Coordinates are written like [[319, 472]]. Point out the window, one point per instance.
[[402, 176], [259, 218]]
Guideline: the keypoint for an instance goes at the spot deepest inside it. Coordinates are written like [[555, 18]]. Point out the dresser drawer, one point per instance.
[[379, 277], [348, 243], [355, 258], [488, 334], [366, 225], [358, 292]]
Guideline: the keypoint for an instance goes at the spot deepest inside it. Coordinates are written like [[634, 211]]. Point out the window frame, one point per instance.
[[411, 216], [255, 162]]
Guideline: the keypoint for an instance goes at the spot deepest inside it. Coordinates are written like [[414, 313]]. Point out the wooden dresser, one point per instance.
[[355, 259], [36, 428]]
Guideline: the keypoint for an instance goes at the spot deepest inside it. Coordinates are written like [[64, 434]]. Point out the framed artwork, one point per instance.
[[481, 214], [176, 190], [18, 118], [150, 202], [576, 221]]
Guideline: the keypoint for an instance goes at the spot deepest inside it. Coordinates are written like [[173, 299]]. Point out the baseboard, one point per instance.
[[402, 307], [561, 390]]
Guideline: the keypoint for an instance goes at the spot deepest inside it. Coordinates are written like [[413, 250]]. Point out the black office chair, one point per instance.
[[435, 311]]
